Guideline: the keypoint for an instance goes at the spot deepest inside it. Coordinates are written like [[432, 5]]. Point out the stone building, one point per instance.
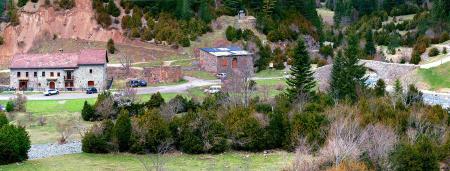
[[62, 71], [226, 60], [162, 74]]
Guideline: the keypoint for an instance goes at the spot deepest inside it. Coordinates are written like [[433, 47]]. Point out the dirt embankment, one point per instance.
[[46, 22]]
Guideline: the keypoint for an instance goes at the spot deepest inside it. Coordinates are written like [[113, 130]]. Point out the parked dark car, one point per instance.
[[91, 90], [138, 83]]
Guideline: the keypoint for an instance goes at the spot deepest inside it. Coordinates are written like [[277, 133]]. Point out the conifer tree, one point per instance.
[[347, 75], [380, 88], [301, 80], [112, 9], [122, 130], [183, 9], [398, 88], [205, 13], [370, 44]]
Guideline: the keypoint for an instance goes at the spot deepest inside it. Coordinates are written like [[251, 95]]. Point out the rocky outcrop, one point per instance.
[[47, 22]]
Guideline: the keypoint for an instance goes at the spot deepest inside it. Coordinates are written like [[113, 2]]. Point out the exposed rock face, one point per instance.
[[77, 23]]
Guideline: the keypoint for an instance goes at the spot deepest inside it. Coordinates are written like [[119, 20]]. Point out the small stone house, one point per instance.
[[62, 71], [226, 60]]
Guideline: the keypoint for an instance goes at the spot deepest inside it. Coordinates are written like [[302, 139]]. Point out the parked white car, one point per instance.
[[213, 89], [221, 75], [50, 92]]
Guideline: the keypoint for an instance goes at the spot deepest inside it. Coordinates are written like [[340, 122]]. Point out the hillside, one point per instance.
[[47, 23]]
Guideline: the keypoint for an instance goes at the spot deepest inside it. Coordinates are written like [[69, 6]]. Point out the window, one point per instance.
[[90, 71], [52, 74], [234, 63], [43, 74], [224, 62], [58, 74], [18, 74], [26, 74], [35, 74]]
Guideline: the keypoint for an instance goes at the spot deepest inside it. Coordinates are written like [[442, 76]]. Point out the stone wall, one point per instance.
[[208, 62], [163, 74], [83, 76], [242, 64]]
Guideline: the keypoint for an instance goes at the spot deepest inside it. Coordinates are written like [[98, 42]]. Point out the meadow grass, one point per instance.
[[174, 161], [437, 77]]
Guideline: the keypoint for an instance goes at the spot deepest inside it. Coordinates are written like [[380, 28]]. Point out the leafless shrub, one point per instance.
[[157, 161], [170, 109], [303, 160], [381, 141], [11, 115], [106, 108], [126, 97], [42, 120], [264, 90], [240, 87], [126, 62], [65, 128], [279, 87], [20, 100], [344, 141], [420, 126]]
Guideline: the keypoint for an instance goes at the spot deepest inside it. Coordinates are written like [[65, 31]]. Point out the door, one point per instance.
[[90, 83], [23, 85], [51, 85]]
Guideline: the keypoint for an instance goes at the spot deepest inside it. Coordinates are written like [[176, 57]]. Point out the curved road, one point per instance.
[[192, 82]]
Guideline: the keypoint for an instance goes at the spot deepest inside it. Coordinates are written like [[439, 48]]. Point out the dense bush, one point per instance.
[[433, 52], [112, 9], [110, 46], [156, 100], [14, 144], [2, 41], [67, 4], [326, 51], [419, 156], [88, 112], [103, 19], [233, 34], [21, 3], [311, 126], [9, 106], [244, 130], [122, 130], [3, 119], [151, 132], [94, 143], [202, 132]]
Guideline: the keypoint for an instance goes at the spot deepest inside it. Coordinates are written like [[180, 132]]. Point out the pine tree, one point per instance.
[[380, 88], [268, 6], [347, 75], [438, 13], [232, 6], [112, 9], [370, 44], [204, 12], [110, 46], [301, 80], [398, 88], [122, 130], [183, 9]]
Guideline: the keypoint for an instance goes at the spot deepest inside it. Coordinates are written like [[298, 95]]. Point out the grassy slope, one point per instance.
[[225, 161], [438, 77]]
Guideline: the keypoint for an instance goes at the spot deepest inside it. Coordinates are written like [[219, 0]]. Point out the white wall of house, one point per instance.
[[82, 75]]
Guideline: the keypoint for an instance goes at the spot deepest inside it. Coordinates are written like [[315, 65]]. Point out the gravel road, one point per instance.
[[38, 151]]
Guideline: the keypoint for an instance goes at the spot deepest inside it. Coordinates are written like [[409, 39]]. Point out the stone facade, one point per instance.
[[226, 61], [62, 71], [163, 74], [62, 79]]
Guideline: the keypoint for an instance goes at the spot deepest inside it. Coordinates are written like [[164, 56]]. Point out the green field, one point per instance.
[[200, 74], [437, 77], [177, 161], [270, 73]]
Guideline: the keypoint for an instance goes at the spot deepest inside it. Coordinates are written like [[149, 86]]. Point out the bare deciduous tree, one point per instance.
[[126, 97], [20, 101], [240, 86], [106, 108], [157, 161], [65, 128], [344, 141], [126, 62], [381, 141]]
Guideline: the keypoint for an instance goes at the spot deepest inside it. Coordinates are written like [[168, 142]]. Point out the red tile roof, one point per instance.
[[60, 60]]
